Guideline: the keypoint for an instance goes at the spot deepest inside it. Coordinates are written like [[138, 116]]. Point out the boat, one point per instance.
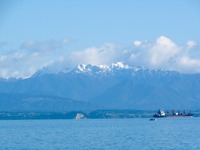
[[152, 119], [172, 114]]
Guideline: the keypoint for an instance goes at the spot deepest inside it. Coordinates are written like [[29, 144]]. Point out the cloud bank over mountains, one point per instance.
[[162, 53]]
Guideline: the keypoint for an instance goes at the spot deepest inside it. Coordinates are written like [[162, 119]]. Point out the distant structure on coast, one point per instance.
[[80, 116]]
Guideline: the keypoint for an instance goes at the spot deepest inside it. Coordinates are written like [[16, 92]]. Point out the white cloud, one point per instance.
[[162, 53], [137, 43], [187, 64], [97, 56], [30, 57], [190, 44]]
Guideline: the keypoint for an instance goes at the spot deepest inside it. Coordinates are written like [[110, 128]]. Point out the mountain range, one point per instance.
[[89, 87]]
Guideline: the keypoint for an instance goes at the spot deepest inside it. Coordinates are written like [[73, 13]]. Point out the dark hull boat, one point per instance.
[[152, 119], [174, 114]]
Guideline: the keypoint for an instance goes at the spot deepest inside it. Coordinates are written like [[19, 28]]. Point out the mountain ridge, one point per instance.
[[98, 69], [117, 86]]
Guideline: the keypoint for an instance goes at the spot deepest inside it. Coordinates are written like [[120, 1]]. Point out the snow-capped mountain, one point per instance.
[[120, 68], [117, 86], [102, 69], [116, 69]]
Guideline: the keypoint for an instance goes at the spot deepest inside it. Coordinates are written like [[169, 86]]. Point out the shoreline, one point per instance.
[[97, 114]]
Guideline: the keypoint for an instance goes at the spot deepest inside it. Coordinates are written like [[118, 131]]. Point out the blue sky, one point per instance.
[[39, 33]]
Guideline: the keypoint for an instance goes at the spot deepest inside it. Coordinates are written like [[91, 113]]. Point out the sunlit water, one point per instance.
[[174, 134]]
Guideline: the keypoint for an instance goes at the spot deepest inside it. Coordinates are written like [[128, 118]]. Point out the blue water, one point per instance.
[[183, 134]]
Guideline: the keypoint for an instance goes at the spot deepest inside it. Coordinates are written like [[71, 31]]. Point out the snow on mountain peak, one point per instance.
[[86, 68], [103, 68], [114, 68], [81, 67]]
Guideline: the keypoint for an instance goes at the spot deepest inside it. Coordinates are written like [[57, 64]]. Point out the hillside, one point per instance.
[[118, 86]]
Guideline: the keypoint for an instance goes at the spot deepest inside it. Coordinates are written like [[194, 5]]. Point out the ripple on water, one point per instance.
[[143, 134]]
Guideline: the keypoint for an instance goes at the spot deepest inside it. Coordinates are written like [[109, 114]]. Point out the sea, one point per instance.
[[101, 134]]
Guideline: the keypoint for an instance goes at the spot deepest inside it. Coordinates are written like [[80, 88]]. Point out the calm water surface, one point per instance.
[[170, 134]]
